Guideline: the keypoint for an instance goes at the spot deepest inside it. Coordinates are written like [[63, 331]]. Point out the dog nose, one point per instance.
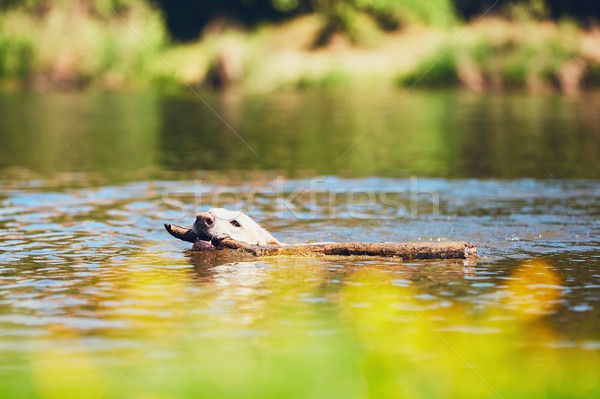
[[205, 218]]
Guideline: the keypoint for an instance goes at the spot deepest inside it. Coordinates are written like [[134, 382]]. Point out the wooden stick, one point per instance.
[[406, 251], [182, 233]]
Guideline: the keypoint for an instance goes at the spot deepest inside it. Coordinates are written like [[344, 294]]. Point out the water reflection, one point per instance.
[[441, 134], [105, 134], [378, 324], [447, 134]]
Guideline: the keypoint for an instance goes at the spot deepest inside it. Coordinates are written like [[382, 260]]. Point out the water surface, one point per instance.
[[96, 298]]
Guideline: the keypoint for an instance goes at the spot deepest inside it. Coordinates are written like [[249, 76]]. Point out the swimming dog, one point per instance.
[[220, 223]]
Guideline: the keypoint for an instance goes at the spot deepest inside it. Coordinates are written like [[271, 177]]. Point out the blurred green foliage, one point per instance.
[[503, 55], [69, 44], [289, 331], [187, 18], [16, 57], [361, 19], [439, 70], [116, 44], [583, 11]]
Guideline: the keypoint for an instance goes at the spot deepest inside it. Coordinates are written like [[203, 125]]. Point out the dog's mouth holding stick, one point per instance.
[[223, 229]]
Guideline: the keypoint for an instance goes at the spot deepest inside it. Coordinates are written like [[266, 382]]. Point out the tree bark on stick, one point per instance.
[[406, 251]]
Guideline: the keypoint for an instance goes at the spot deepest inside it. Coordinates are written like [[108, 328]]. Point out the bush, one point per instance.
[[436, 71], [506, 55], [16, 59], [74, 44], [357, 18]]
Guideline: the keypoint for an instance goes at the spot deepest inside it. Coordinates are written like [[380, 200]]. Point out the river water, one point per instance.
[[97, 300]]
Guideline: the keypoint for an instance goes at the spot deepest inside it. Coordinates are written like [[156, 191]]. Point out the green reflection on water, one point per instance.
[[442, 134], [104, 134], [293, 328]]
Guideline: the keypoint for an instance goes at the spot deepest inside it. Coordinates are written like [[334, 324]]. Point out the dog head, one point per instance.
[[219, 223]]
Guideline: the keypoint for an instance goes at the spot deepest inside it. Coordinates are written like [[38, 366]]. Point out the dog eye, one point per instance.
[[236, 223]]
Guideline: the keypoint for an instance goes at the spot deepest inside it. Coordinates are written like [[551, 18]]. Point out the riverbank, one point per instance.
[[132, 51]]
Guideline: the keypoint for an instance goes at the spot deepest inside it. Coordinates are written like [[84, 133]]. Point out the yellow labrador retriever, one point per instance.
[[211, 229]]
